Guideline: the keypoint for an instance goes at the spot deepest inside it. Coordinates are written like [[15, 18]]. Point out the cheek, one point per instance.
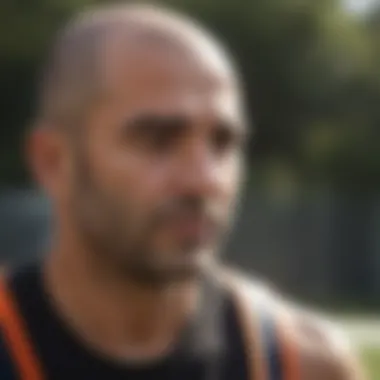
[[231, 178], [135, 179], [123, 169]]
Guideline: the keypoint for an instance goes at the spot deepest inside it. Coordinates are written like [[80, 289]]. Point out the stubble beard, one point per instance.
[[118, 240], [108, 233]]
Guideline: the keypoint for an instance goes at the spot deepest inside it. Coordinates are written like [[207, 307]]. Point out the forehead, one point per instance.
[[159, 76]]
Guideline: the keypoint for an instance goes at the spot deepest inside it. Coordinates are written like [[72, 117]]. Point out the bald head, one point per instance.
[[93, 46], [150, 186]]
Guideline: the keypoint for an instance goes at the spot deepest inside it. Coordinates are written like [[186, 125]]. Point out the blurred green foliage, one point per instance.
[[312, 74], [371, 361]]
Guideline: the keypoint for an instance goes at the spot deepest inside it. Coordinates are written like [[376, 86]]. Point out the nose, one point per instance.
[[199, 172]]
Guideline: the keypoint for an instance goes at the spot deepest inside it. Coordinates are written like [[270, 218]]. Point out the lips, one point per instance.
[[194, 227]]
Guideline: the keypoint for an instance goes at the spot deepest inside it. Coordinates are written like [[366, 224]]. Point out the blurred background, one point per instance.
[[310, 218]]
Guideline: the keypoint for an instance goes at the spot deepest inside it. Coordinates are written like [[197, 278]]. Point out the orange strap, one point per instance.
[[290, 354], [16, 337], [249, 318], [251, 331]]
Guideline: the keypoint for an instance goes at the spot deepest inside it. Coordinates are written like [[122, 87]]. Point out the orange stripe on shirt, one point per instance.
[[251, 332], [290, 355], [20, 346]]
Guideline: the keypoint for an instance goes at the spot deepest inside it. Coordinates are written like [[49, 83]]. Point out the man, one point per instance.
[[138, 143]]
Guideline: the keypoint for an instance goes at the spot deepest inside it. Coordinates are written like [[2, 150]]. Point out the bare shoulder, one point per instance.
[[324, 350]]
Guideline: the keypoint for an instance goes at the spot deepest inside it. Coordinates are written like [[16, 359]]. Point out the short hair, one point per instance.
[[69, 83]]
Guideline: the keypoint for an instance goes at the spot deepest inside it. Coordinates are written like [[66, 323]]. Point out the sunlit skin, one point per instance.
[[154, 174], [144, 188], [167, 161]]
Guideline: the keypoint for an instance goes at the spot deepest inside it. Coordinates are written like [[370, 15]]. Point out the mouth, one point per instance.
[[197, 229]]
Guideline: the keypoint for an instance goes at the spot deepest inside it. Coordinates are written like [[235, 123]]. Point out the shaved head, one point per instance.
[[149, 187], [75, 76]]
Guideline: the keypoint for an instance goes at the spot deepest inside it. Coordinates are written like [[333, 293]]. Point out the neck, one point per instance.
[[115, 315]]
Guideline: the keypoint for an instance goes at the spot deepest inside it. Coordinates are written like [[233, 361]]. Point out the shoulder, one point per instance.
[[323, 350]]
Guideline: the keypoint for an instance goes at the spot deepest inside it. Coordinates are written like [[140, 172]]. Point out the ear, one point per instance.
[[47, 158]]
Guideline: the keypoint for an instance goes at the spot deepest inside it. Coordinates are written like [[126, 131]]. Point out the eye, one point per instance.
[[160, 139], [156, 134], [225, 138]]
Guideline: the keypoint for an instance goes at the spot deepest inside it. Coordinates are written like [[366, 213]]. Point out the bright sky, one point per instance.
[[360, 5]]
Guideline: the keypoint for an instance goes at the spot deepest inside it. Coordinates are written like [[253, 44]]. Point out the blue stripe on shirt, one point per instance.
[[271, 345]]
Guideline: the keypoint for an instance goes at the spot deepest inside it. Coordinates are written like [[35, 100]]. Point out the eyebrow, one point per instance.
[[176, 122], [147, 122]]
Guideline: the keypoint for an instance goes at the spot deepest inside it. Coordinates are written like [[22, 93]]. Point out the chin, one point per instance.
[[181, 270], [188, 269], [159, 270], [162, 275]]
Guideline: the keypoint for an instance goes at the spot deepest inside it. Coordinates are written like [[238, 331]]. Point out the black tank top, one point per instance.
[[212, 347]]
